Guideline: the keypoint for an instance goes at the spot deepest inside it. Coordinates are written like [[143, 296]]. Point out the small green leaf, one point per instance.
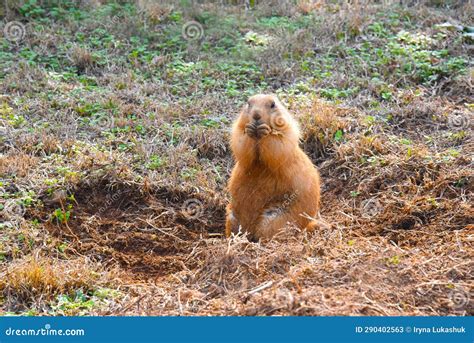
[[338, 135]]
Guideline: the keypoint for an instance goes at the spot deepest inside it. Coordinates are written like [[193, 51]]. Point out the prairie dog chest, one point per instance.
[[260, 187]]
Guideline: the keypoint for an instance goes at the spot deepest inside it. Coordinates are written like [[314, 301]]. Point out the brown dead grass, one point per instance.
[[36, 281], [397, 239], [401, 245], [17, 164]]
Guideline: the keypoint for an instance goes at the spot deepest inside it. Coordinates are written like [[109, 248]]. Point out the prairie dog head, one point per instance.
[[266, 111]]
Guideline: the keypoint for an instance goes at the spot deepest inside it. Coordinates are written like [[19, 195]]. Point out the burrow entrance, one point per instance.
[[149, 233]]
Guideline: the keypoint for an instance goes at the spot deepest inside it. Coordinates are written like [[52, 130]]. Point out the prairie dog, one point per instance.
[[273, 181]]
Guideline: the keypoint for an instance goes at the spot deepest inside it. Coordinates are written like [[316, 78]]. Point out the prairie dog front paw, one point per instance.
[[263, 130], [251, 130]]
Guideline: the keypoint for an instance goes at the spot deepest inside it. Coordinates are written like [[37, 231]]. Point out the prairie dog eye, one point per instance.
[[272, 104]]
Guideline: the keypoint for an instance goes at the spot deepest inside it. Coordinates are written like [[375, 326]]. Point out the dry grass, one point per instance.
[[35, 282]]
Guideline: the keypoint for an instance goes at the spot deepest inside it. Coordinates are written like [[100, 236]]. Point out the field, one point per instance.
[[114, 157]]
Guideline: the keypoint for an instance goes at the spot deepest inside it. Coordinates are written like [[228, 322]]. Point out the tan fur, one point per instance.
[[273, 181]]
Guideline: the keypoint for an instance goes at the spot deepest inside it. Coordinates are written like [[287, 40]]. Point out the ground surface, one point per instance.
[[114, 158]]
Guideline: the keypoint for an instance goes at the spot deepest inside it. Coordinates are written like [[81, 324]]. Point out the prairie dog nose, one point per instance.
[[256, 116]]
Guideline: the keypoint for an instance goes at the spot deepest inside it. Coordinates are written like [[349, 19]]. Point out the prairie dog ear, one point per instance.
[[275, 97], [245, 106]]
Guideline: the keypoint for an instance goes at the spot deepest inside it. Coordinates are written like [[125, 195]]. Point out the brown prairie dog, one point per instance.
[[273, 181]]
